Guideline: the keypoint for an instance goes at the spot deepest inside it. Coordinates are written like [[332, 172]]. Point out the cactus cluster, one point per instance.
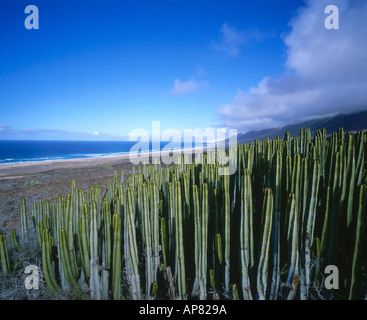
[[266, 231]]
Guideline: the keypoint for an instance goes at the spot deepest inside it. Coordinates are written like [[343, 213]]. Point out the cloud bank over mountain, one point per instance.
[[326, 72]]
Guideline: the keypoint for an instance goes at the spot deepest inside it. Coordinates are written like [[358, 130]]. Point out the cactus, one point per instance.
[[14, 241], [46, 263], [116, 257], [70, 235], [246, 236], [227, 230], [164, 241], [5, 265], [318, 257], [171, 224], [23, 219], [154, 207], [276, 174], [251, 227], [53, 220], [131, 252], [351, 175], [197, 236], [106, 217], [67, 264], [263, 263], [235, 295], [325, 228], [204, 243], [83, 236], [309, 222], [180, 255], [94, 277], [154, 289], [357, 255], [212, 278], [39, 233], [218, 248], [293, 252], [147, 232]]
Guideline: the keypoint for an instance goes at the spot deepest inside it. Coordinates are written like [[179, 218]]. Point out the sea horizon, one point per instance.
[[23, 151]]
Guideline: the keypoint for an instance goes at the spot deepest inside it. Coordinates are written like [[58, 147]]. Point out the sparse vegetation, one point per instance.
[[31, 182], [105, 165]]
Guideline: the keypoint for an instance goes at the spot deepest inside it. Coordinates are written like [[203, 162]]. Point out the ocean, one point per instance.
[[20, 151]]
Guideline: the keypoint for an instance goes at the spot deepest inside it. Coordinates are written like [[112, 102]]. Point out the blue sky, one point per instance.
[[100, 69]]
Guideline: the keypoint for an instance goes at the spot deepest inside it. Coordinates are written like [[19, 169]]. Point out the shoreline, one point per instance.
[[48, 179], [33, 167]]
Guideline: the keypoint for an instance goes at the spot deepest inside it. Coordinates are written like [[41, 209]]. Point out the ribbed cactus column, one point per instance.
[[84, 236], [69, 225], [186, 215], [66, 263], [106, 218], [171, 225], [94, 278], [325, 226], [148, 252], [60, 221], [354, 291], [335, 207], [116, 257], [246, 235], [309, 223], [293, 255], [276, 185], [296, 178], [46, 263], [227, 229], [131, 246], [164, 240], [351, 175], [23, 219], [154, 208], [197, 237], [180, 255], [263, 264], [53, 221], [204, 243], [360, 155], [39, 214], [14, 241], [5, 265]]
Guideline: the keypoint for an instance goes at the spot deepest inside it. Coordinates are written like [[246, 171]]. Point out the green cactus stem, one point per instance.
[[116, 257], [5, 265], [246, 236], [66, 263], [23, 219], [180, 255], [46, 263], [14, 241], [357, 255], [263, 264]]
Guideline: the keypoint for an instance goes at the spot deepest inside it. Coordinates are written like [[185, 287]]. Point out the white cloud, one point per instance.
[[185, 87], [200, 72], [326, 72], [231, 40], [4, 128]]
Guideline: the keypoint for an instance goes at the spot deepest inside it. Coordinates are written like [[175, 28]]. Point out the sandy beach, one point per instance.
[[48, 179]]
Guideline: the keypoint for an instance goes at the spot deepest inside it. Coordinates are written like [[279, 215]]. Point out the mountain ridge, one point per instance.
[[350, 122]]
